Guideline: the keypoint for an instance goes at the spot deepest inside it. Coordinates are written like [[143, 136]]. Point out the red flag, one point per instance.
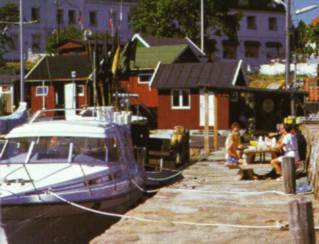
[[110, 23]]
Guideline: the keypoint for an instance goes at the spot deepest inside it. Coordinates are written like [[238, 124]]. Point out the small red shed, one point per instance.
[[181, 89], [50, 84]]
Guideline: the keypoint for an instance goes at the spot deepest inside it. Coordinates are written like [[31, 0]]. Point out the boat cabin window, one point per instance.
[[50, 149], [61, 150], [112, 148], [15, 150]]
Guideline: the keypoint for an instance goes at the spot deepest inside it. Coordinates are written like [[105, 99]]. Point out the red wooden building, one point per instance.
[[50, 84], [181, 92], [182, 89], [148, 53]]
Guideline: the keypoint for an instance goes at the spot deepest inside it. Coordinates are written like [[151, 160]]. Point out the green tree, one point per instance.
[[8, 13], [313, 32], [300, 38], [61, 35], [180, 18]]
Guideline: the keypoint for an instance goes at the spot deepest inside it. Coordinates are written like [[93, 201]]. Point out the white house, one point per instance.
[[261, 34], [54, 14]]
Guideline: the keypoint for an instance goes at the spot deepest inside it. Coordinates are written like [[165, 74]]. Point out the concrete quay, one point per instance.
[[212, 194]]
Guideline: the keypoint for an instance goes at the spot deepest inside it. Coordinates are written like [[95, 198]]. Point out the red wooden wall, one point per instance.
[[36, 101], [147, 95], [167, 117]]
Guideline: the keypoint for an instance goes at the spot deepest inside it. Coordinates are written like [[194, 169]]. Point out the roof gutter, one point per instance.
[[195, 46], [237, 72], [35, 66], [154, 74], [138, 36]]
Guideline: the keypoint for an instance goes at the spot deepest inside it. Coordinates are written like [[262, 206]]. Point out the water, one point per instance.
[[72, 229]]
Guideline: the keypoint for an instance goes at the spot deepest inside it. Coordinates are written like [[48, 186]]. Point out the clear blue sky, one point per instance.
[[307, 17]]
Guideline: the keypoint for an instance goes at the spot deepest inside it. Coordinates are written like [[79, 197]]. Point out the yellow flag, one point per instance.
[[116, 60]]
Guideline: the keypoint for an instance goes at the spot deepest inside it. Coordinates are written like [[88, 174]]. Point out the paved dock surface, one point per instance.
[[206, 200]]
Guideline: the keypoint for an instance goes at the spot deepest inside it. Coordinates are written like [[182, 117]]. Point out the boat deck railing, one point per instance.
[[101, 114]]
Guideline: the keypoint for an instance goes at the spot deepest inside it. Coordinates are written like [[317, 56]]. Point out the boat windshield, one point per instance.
[[60, 150]]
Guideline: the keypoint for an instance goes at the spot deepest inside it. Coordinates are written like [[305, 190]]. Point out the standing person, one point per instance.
[[232, 145], [289, 145]]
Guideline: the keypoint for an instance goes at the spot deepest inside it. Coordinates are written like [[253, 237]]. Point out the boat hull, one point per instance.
[[61, 222]]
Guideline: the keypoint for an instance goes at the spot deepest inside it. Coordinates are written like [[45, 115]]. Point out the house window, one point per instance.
[[274, 50], [252, 49], [36, 40], [251, 23], [80, 90], [93, 18], [35, 14], [272, 24], [72, 17], [59, 17], [42, 91], [229, 50], [180, 99], [144, 78]]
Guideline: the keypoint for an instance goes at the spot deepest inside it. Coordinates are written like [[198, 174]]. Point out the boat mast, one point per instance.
[[21, 54]]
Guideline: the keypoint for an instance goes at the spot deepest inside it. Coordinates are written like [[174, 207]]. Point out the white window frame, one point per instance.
[[144, 74], [80, 94], [180, 106], [39, 94]]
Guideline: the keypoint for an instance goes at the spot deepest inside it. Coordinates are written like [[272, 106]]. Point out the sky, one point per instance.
[[306, 17]]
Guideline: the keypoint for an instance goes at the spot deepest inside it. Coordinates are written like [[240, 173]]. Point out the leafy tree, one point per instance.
[[180, 18], [313, 32], [300, 38], [61, 35], [8, 13]]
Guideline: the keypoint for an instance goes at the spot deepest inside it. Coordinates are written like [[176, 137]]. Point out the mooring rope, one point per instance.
[[247, 193], [166, 178], [277, 226]]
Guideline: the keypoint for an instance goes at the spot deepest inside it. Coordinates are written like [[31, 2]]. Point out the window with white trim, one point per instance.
[[42, 91], [181, 99], [144, 78], [80, 90]]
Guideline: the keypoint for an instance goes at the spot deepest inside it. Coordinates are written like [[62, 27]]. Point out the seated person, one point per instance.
[[232, 145], [290, 147], [57, 149], [278, 151]]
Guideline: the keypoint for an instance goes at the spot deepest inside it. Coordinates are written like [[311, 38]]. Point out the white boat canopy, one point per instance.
[[62, 129]]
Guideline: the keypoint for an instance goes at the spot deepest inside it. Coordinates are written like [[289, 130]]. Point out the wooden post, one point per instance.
[[289, 174], [216, 118], [206, 130], [301, 224]]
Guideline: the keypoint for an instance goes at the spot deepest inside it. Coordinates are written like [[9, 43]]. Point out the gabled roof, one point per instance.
[[196, 75], [58, 68], [147, 58], [152, 41]]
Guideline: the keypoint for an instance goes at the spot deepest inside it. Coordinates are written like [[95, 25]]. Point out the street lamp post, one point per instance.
[[21, 54], [287, 5]]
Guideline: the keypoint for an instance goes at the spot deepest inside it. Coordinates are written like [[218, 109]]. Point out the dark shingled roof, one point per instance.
[[193, 75], [58, 68]]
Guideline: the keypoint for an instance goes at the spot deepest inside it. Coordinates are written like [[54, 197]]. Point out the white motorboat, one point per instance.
[[85, 159]]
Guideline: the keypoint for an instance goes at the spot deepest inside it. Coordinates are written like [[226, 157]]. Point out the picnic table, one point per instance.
[[249, 154]]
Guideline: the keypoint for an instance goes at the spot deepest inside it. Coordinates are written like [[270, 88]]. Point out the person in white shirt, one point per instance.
[[289, 145]]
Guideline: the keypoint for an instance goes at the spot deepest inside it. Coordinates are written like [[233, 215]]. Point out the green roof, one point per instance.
[[148, 58]]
